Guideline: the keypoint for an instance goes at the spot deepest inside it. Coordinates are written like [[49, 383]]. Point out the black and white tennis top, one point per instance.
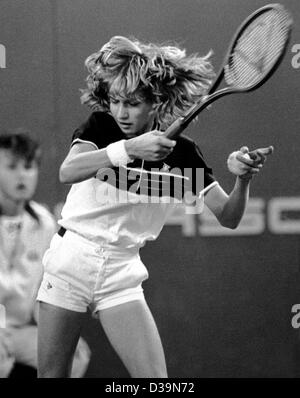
[[129, 205]]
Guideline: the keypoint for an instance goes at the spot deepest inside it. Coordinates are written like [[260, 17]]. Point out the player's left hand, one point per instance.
[[247, 164]]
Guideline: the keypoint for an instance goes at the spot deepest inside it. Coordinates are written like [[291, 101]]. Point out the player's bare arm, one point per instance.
[[229, 209], [83, 160]]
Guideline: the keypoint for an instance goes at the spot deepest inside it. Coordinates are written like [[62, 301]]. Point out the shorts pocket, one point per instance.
[[54, 245], [140, 271], [124, 275]]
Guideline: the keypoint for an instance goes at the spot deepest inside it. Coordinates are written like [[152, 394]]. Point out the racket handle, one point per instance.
[[175, 129]]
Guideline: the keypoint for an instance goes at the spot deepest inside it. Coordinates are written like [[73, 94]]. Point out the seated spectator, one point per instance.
[[26, 229]]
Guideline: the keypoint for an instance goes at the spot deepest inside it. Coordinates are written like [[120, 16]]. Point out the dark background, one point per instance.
[[222, 304]]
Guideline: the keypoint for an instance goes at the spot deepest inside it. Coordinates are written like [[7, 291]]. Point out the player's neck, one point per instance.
[[11, 208]]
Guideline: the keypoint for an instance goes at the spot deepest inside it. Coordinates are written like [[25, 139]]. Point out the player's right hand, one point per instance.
[[151, 146], [260, 155]]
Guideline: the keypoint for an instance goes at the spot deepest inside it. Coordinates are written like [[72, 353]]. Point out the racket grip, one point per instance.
[[176, 128]]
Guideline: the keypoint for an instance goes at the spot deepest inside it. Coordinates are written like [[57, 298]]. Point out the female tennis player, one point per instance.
[[135, 90]]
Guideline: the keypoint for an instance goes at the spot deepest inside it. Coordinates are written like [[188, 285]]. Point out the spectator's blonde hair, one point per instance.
[[163, 75]]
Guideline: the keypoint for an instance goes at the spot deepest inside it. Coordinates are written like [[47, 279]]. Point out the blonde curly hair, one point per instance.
[[163, 75]]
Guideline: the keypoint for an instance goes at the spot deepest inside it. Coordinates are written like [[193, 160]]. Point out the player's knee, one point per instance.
[[53, 371], [149, 368], [159, 372], [53, 366], [150, 372]]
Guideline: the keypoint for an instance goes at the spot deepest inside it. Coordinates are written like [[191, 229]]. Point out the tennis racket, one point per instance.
[[254, 54]]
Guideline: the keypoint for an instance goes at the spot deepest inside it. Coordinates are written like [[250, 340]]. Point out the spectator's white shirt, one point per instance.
[[23, 242]]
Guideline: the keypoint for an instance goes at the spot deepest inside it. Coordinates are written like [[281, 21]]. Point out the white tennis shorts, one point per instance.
[[79, 273]]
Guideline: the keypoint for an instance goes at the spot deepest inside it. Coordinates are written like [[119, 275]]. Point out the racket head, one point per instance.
[[272, 22], [257, 49]]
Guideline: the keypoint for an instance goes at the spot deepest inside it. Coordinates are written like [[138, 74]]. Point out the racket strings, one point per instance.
[[258, 49]]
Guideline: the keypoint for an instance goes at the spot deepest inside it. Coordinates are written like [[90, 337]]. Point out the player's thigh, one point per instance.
[[132, 332], [58, 334]]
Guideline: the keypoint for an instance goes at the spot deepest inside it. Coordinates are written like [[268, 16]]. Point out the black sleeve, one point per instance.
[[202, 174], [88, 132], [188, 157], [100, 130], [199, 162]]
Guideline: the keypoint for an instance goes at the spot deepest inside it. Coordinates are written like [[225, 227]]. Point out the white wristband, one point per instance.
[[117, 154]]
